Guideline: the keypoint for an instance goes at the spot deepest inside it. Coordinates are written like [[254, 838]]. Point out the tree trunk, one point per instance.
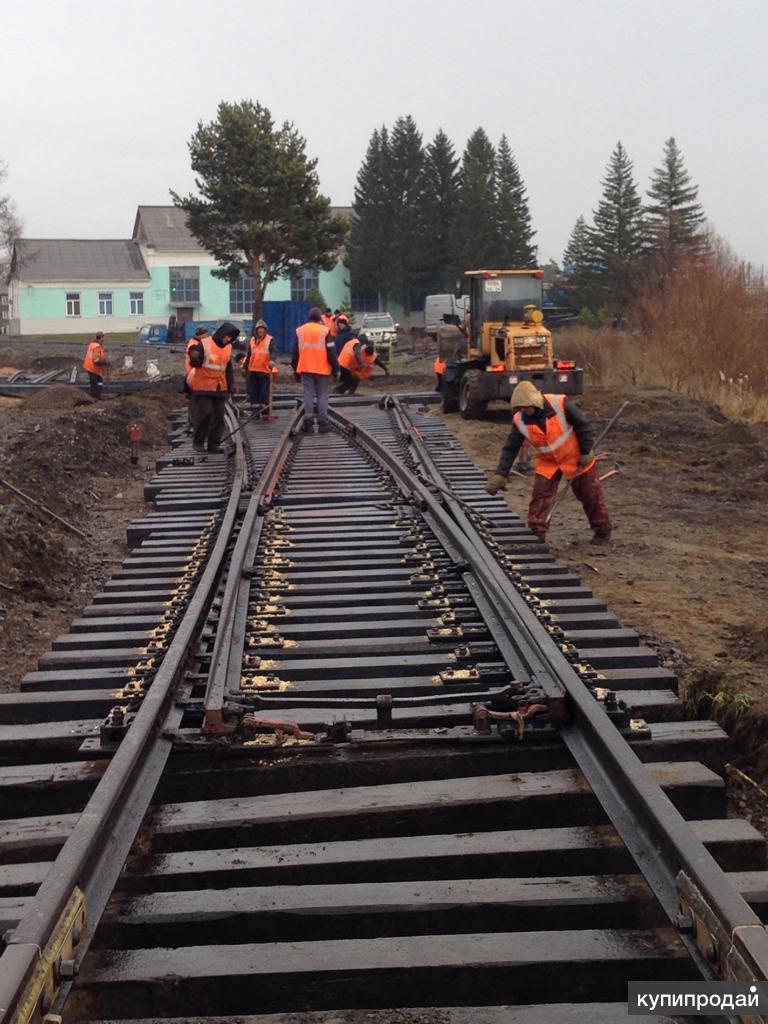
[[258, 292]]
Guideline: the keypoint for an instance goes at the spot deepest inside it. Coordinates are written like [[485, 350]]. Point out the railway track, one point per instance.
[[341, 736]]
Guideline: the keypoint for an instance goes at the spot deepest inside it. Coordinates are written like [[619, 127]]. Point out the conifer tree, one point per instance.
[[579, 266], [619, 233], [475, 234], [371, 235], [439, 200], [675, 217], [513, 218], [405, 188]]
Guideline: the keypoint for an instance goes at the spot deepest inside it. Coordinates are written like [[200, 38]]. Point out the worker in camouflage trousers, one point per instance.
[[561, 438]]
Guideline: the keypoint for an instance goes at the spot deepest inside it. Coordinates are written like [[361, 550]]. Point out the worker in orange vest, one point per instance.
[[356, 362], [96, 365], [257, 367], [439, 368], [562, 439], [200, 333], [212, 382], [329, 319], [314, 360]]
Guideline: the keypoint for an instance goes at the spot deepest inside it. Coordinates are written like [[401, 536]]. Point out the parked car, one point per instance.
[[382, 331], [154, 334]]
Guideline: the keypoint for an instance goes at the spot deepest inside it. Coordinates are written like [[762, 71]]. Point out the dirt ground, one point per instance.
[[72, 455]]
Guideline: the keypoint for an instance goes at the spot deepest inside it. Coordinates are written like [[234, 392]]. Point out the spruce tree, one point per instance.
[[513, 218], [405, 182], [579, 266], [371, 236], [439, 199], [618, 234], [675, 217], [475, 234]]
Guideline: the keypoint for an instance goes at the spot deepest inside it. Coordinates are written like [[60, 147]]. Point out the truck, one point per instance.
[[438, 307], [504, 341]]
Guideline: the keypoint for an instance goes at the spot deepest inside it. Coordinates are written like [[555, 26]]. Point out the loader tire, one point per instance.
[[471, 406]]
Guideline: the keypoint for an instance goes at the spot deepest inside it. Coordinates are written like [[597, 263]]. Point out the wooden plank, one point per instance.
[[587, 964], [433, 805], [733, 842]]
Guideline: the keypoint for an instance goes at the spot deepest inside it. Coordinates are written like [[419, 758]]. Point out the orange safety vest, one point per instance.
[[312, 355], [212, 375], [348, 360], [439, 365], [94, 352], [258, 361], [556, 446], [192, 341]]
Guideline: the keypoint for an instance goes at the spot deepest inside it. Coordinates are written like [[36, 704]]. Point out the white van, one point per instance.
[[438, 306]]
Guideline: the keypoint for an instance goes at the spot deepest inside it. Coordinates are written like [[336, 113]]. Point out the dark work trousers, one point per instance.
[[208, 408], [586, 487], [347, 382], [439, 383], [95, 384], [257, 386]]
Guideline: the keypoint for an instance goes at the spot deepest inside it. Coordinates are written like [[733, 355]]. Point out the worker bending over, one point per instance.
[[314, 360], [96, 365], [200, 333], [561, 437], [212, 382], [257, 367], [356, 362]]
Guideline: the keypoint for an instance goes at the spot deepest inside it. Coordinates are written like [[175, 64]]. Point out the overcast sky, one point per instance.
[[99, 98]]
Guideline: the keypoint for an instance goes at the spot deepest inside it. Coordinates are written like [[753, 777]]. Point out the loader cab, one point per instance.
[[498, 299]]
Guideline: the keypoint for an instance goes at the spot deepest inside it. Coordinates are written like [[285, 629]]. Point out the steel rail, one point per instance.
[[681, 872], [227, 656], [94, 853]]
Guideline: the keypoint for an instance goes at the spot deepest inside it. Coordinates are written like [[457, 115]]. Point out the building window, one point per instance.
[[304, 282], [185, 285], [137, 303], [73, 303], [241, 293], [105, 303]]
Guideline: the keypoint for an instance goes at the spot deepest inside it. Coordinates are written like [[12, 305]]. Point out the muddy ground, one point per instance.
[[687, 568]]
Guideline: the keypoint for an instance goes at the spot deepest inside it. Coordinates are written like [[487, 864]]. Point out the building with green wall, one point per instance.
[[80, 286]]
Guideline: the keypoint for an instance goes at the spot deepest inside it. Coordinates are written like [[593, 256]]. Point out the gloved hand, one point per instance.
[[496, 483], [584, 460]]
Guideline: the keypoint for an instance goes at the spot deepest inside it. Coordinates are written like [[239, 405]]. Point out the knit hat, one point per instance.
[[226, 329], [526, 393], [315, 314], [201, 332], [258, 324]]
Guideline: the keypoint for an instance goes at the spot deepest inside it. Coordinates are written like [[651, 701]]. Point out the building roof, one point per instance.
[[65, 260], [165, 228]]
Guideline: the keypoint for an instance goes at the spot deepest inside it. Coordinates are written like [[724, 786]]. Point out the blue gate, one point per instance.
[[282, 317]]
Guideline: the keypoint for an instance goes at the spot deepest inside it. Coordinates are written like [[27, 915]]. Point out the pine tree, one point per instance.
[[405, 182], [371, 236], [579, 266], [513, 218], [439, 200], [475, 234], [619, 233], [675, 217]]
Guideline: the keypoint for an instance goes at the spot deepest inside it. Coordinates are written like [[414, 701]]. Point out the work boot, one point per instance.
[[216, 449], [199, 448], [308, 427], [600, 538], [323, 428]]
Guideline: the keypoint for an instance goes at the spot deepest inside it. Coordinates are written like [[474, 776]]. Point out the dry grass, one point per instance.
[[702, 332]]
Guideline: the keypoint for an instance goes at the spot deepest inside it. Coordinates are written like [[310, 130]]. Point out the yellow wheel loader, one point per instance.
[[502, 341]]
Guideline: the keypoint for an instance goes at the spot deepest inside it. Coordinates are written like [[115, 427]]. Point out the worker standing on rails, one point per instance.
[[356, 362], [314, 360], [212, 382], [96, 365], [257, 367], [562, 439], [200, 333]]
